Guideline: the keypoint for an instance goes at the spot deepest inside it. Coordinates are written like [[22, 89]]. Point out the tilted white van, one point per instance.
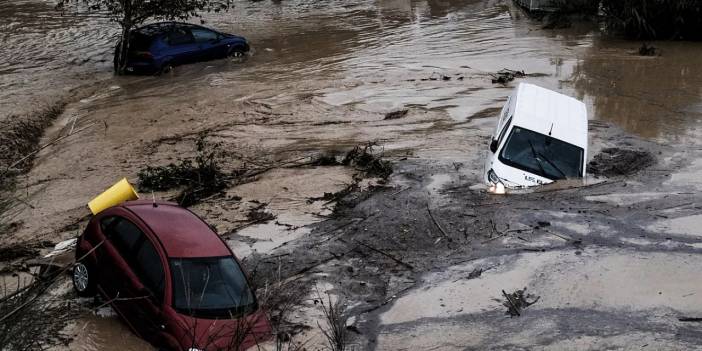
[[541, 137]]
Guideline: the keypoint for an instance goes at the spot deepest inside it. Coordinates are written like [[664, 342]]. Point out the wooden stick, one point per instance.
[[437, 224], [403, 263], [509, 299]]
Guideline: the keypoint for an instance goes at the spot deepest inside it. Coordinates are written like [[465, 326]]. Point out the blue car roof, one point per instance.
[[154, 29]]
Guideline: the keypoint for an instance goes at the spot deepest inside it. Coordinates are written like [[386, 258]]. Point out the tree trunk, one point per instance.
[[122, 50]]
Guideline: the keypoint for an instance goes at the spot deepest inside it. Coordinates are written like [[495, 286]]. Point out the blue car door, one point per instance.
[[208, 42], [181, 46]]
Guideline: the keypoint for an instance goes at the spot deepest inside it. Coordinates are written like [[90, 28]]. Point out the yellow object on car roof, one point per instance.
[[120, 192]]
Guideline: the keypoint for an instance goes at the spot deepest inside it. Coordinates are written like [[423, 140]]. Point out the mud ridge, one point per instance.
[[21, 136]]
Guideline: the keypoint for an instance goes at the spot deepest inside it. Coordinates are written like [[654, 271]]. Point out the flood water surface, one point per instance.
[[375, 55]]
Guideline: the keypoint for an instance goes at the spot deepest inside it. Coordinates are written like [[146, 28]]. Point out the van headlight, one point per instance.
[[493, 178], [496, 185]]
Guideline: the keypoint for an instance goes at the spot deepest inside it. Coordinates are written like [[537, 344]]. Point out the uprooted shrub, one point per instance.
[[279, 296], [199, 177], [368, 160], [335, 318]]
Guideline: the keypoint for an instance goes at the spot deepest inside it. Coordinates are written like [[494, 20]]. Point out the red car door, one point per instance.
[[149, 290], [117, 279], [121, 239]]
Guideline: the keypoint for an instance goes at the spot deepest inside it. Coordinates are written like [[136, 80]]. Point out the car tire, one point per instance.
[[165, 68], [237, 52], [83, 279]]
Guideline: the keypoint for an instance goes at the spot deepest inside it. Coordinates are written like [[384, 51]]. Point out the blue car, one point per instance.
[[158, 47]]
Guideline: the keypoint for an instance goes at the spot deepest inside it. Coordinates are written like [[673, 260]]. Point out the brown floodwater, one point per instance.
[[371, 55], [323, 63]]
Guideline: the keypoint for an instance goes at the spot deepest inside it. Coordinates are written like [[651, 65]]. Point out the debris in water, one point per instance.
[[646, 50], [325, 159], [396, 114], [505, 76], [368, 160], [62, 247], [439, 76], [617, 162], [690, 319], [476, 273], [258, 214], [517, 301]]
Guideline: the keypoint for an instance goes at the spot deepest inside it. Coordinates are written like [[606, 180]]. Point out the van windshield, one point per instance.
[[542, 155], [212, 287]]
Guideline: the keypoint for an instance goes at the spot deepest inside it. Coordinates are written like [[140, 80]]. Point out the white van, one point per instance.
[[541, 137]]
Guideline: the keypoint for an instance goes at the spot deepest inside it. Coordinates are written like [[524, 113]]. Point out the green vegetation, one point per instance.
[[199, 177]]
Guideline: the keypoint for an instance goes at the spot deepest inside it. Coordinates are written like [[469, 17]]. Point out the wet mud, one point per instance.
[[613, 261], [612, 162]]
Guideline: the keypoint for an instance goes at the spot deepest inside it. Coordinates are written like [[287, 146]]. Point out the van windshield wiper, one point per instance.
[[552, 164], [536, 157]]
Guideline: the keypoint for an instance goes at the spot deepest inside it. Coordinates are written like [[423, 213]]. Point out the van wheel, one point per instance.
[[84, 279]]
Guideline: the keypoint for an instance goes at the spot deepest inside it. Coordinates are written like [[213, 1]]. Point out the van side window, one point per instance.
[[149, 269], [504, 130], [124, 236]]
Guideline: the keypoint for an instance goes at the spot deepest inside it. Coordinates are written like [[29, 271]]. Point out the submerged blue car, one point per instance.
[[158, 47]]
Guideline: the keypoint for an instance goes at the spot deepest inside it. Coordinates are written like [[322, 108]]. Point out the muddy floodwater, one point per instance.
[[320, 78]]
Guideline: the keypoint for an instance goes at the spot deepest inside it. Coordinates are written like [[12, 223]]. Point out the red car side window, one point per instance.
[[124, 236], [149, 268]]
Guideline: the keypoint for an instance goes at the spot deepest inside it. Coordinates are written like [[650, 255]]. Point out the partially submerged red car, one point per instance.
[[170, 277]]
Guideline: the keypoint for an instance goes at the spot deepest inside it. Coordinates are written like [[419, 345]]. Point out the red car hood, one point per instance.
[[224, 334]]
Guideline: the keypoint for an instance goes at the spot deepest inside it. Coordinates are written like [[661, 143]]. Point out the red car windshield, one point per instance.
[[213, 287]]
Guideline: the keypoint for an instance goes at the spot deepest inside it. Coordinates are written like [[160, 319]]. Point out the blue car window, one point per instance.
[[180, 36], [203, 35]]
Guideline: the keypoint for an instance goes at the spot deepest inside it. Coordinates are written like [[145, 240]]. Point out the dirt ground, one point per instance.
[[425, 259]]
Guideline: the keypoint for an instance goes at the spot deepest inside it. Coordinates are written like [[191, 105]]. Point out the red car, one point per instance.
[[170, 277]]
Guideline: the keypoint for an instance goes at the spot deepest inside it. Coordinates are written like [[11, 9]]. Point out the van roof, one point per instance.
[[551, 113]]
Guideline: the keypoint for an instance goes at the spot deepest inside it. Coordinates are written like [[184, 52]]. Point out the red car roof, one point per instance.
[[182, 233]]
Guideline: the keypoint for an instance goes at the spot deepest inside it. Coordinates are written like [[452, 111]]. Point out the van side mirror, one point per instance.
[[493, 145]]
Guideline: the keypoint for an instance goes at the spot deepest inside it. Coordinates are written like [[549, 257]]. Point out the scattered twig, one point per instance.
[[399, 261], [431, 215]]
